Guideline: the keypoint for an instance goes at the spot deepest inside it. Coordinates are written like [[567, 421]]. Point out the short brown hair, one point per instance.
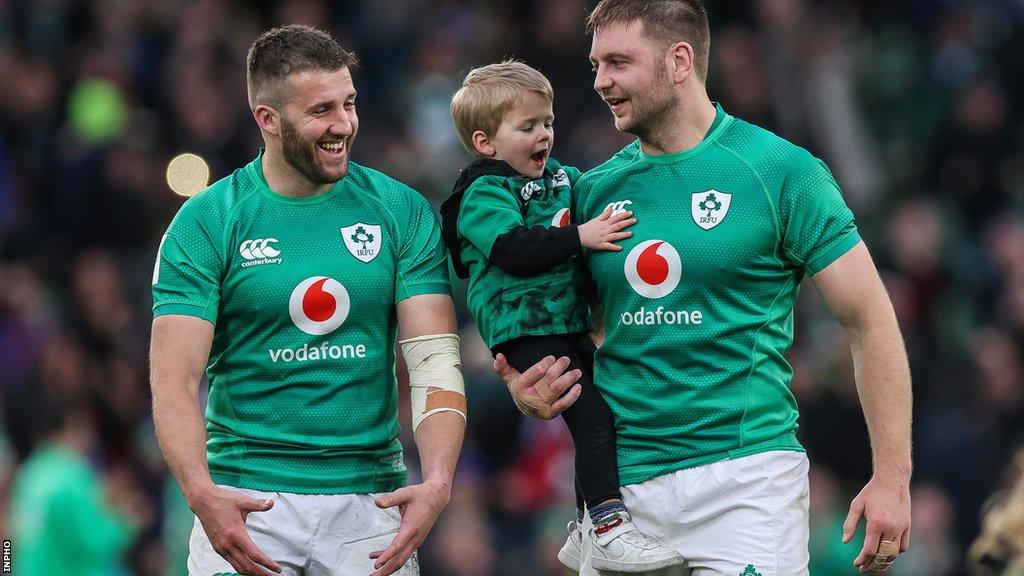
[[286, 50], [665, 21], [488, 93]]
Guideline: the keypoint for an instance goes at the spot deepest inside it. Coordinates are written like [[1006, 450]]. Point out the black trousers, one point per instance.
[[589, 419]]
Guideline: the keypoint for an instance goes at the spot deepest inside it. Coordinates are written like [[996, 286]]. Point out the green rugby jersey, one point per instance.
[[698, 306], [507, 306], [302, 294]]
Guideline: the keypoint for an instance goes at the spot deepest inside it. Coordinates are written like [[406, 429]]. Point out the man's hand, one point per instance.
[[420, 505], [885, 503], [222, 514], [606, 228], [545, 389]]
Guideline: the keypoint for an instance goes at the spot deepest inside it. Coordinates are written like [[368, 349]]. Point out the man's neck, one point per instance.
[[682, 130], [286, 181]]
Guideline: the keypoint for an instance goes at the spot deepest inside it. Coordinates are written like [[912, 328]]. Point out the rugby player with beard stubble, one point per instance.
[[698, 314], [288, 282]]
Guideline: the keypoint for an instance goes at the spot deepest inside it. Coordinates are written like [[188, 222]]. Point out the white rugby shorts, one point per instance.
[[309, 535], [742, 517]]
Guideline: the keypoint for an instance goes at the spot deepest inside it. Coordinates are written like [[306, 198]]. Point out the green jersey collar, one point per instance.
[[255, 171], [722, 120]]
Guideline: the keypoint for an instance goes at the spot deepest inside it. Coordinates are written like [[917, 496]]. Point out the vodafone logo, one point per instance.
[[319, 305], [561, 219], [653, 268]]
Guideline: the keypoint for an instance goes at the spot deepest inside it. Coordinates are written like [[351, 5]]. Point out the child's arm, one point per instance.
[[531, 251]]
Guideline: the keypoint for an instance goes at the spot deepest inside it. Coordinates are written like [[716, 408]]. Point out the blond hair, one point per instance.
[[488, 92]]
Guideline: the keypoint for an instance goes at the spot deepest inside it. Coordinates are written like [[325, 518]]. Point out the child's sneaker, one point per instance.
[[619, 546], [572, 550]]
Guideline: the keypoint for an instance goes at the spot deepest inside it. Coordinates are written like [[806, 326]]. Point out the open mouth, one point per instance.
[[334, 149], [539, 157], [616, 103]]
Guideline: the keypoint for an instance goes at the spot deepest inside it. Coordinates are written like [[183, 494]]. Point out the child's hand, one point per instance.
[[599, 233]]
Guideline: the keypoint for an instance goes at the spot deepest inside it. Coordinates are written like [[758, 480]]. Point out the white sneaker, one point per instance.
[[620, 547], [572, 550]]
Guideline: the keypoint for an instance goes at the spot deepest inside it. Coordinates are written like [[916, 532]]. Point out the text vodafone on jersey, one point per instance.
[[324, 351], [659, 315]]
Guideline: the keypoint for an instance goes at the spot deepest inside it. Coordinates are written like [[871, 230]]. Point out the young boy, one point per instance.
[[508, 225]]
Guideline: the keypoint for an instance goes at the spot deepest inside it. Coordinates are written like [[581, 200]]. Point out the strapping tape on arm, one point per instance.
[[435, 377]]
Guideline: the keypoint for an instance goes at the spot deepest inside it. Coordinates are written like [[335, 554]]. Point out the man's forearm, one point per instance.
[[439, 441], [439, 435], [883, 383], [181, 432], [178, 354]]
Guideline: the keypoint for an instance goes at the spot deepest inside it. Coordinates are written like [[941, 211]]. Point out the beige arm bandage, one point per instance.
[[435, 376]]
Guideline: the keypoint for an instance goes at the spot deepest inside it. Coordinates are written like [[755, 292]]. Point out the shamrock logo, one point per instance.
[[362, 236], [750, 570], [711, 204]]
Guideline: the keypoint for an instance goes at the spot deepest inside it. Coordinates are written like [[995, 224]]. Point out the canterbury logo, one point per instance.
[[260, 248], [619, 206], [529, 190]]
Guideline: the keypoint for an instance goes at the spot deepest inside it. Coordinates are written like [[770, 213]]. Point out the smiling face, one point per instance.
[[631, 77], [525, 136], [319, 124]]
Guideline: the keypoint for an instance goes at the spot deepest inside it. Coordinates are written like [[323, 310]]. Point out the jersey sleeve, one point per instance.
[[573, 173], [187, 273], [422, 258], [531, 251], [817, 225], [488, 211]]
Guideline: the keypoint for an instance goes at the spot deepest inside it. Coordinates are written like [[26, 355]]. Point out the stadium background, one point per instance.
[[910, 102]]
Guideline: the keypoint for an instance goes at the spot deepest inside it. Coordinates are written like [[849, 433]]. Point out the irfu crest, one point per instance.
[[362, 240], [361, 236], [709, 208]]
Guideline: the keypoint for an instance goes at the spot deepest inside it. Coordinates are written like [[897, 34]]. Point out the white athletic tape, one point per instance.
[[435, 378]]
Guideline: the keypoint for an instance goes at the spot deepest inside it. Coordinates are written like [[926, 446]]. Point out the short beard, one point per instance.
[[301, 155], [649, 122]]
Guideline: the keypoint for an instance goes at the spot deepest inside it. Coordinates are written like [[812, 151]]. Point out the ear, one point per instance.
[[268, 119], [680, 61], [483, 144]]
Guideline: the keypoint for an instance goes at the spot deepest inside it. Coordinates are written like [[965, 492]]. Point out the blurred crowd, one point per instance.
[[910, 102]]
